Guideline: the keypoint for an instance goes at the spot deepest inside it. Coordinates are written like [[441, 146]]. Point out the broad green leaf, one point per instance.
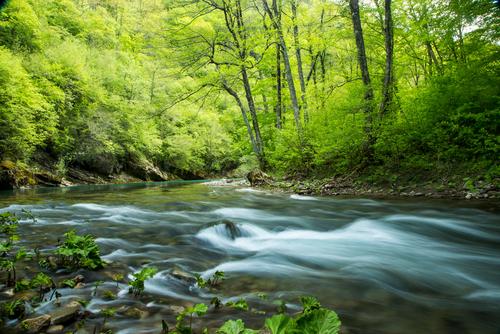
[[279, 324], [320, 321]]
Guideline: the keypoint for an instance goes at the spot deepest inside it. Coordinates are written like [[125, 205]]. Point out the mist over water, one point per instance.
[[386, 266]]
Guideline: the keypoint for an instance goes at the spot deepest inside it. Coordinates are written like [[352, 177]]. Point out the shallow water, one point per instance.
[[386, 266]]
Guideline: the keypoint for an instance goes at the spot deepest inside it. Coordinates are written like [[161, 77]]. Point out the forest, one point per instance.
[[385, 90], [371, 100]]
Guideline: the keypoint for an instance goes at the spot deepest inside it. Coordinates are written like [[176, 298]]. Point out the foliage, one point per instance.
[[235, 327], [79, 251], [137, 284], [240, 304], [212, 282], [197, 309]]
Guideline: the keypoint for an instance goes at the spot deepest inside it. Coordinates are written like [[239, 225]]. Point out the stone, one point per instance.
[[258, 177], [66, 313], [182, 275], [35, 325], [79, 278], [175, 309], [26, 295], [55, 329], [79, 285], [135, 313]]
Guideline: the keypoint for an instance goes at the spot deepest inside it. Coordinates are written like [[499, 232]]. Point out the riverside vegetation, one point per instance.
[[393, 93], [44, 274]]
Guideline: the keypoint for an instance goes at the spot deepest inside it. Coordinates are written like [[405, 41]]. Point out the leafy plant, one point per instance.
[[117, 278], [137, 284], [68, 283], [79, 251], [235, 327], [43, 282], [13, 309], [240, 304], [212, 282], [198, 309], [314, 319], [108, 294]]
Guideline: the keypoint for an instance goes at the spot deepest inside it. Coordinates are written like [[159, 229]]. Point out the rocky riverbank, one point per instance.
[[456, 188]]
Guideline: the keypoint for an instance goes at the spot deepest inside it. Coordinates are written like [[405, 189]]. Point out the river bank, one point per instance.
[[453, 188]]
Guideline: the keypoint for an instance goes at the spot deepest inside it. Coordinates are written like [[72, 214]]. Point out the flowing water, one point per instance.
[[385, 266]]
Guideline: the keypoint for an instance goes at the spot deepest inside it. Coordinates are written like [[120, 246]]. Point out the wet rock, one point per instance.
[[26, 295], [182, 275], [52, 261], [79, 278], [232, 229], [135, 313], [35, 325], [79, 285], [176, 309], [55, 329], [258, 177], [66, 313]]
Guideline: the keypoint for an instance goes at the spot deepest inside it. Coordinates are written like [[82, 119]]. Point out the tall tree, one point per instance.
[[294, 5], [288, 68], [388, 87], [363, 64]]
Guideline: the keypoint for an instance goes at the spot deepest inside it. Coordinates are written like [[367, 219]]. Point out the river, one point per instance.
[[385, 266]]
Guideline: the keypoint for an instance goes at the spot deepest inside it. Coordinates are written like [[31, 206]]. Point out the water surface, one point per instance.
[[386, 266]]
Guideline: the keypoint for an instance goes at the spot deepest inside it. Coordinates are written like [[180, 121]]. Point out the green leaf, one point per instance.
[[200, 309], [235, 327], [321, 321], [279, 324], [309, 304]]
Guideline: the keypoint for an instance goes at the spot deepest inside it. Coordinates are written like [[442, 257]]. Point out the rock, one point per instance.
[[175, 309], [135, 313], [258, 177], [26, 295], [79, 278], [79, 285], [35, 325], [232, 229], [468, 196], [182, 275], [147, 171], [52, 261], [55, 329], [65, 313]]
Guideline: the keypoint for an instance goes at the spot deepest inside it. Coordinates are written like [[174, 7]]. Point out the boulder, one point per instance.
[[65, 314], [182, 275], [258, 177], [35, 325], [135, 313], [55, 329]]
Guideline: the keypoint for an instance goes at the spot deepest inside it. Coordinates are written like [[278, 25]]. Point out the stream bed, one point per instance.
[[385, 266]]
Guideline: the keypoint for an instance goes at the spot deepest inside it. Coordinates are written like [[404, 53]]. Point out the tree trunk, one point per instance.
[[299, 60], [388, 88], [279, 101], [253, 111], [279, 84], [255, 148], [288, 69], [363, 64]]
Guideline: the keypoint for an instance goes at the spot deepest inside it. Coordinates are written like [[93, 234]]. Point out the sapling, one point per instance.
[[137, 284]]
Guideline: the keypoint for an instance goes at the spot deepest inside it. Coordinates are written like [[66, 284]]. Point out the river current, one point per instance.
[[385, 266]]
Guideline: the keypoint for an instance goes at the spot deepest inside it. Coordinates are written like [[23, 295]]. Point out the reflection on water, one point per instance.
[[409, 266]]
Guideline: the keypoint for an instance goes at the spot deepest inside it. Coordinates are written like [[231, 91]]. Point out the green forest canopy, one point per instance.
[[205, 87]]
